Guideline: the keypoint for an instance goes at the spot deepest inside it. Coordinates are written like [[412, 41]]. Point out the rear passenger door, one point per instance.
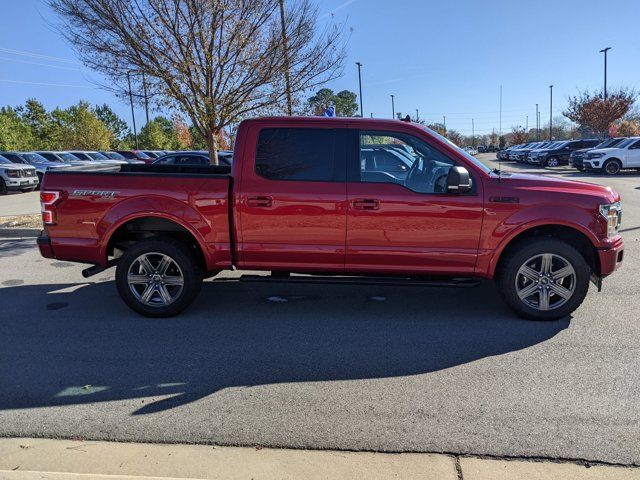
[[292, 195]]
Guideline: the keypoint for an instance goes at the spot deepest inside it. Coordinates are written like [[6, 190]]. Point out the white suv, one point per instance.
[[16, 177], [626, 154]]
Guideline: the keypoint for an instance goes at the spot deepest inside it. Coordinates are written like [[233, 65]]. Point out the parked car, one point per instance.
[[482, 149], [16, 176], [96, 157], [41, 164], [154, 153], [503, 154], [521, 155], [63, 157], [558, 153], [284, 206], [136, 155], [471, 150], [120, 158], [577, 156], [613, 159], [192, 158]]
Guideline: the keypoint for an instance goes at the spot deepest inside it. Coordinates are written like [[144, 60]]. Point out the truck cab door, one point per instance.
[[409, 224], [292, 199]]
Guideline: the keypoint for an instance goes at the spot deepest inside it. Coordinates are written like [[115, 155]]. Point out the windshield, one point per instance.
[[142, 155], [466, 154], [4, 160], [627, 142], [114, 156], [97, 156], [609, 142], [68, 157], [34, 158]]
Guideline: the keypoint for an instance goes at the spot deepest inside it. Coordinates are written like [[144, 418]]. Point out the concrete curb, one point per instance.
[[31, 459], [19, 232]]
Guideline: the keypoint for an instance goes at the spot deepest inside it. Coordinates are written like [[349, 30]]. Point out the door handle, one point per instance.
[[261, 202], [366, 204]]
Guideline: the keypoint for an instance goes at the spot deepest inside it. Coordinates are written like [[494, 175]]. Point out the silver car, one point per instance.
[[15, 176]]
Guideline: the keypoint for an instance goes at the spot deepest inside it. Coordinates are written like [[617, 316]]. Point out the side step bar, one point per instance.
[[382, 281]]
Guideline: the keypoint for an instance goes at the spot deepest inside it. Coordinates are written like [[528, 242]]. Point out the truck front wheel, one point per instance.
[[543, 279], [158, 277]]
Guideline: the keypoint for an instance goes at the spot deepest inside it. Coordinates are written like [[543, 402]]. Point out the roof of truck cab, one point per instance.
[[342, 121]]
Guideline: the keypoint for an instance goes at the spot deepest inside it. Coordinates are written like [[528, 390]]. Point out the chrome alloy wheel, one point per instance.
[[546, 281], [155, 279]]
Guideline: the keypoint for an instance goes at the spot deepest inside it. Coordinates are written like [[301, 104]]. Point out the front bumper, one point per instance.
[[611, 258], [20, 183], [44, 245]]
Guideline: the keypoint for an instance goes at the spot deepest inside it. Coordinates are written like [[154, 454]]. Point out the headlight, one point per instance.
[[612, 213], [13, 173], [595, 155]]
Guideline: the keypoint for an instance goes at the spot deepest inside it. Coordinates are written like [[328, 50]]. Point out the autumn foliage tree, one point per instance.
[[519, 135], [593, 111], [215, 60]]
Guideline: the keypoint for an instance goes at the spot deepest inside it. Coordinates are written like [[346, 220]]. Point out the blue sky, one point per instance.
[[443, 58]]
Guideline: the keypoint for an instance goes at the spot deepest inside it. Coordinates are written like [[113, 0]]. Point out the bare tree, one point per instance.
[[593, 111], [215, 60], [519, 135]]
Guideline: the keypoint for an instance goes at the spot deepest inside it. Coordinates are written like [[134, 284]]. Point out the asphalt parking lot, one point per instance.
[[341, 367]]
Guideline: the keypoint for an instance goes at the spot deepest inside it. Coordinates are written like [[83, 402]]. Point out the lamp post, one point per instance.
[[360, 87], [537, 124], [444, 124], [393, 107], [550, 112], [283, 27], [133, 115], [605, 50]]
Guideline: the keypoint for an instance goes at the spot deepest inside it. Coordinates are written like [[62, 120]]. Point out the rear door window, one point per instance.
[[303, 154]]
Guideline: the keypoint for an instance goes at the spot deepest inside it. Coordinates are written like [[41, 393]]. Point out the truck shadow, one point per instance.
[[77, 343]]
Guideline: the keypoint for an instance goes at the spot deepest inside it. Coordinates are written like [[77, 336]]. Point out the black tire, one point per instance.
[[3, 187], [552, 162], [507, 275], [180, 253], [612, 167]]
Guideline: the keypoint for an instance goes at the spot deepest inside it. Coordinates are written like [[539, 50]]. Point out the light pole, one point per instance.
[[146, 97], [283, 26], [393, 107], [500, 126], [473, 133], [417, 116], [550, 112], [444, 124], [605, 50], [537, 124], [360, 86], [133, 115]]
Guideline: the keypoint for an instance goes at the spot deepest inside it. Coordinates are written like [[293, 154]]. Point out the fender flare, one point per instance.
[[138, 207], [547, 222]]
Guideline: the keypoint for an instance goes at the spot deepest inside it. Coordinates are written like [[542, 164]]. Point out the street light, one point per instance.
[[605, 50], [550, 112], [537, 124], [393, 107], [444, 124], [133, 115], [360, 86]]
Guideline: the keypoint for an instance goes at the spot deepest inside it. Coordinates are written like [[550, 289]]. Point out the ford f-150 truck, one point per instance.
[[324, 200]]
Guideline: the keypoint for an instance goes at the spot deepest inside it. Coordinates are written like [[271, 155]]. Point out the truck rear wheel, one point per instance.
[[543, 279], [158, 277]]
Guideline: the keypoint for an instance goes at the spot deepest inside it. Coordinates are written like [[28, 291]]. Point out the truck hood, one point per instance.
[[560, 185], [602, 150], [15, 166]]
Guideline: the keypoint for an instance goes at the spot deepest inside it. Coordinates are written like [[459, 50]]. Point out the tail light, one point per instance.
[[48, 200]]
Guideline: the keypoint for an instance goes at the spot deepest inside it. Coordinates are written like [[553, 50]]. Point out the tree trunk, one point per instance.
[[212, 143]]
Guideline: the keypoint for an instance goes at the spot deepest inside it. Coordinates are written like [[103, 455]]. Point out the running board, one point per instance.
[[381, 281]]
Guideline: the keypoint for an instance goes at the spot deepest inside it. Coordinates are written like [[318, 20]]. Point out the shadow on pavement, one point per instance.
[[10, 247], [75, 344]]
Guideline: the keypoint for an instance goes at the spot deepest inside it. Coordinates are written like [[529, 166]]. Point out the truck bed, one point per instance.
[[95, 205]]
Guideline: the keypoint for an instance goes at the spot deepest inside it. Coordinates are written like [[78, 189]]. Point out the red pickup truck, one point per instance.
[[338, 200]]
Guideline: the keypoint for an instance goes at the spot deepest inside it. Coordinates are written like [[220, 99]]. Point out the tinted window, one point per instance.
[[421, 168], [4, 160], [296, 154], [128, 155], [14, 158], [635, 145]]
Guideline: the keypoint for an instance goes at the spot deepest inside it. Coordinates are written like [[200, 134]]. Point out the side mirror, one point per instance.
[[458, 180]]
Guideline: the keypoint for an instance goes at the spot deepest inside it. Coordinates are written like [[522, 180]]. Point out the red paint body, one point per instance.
[[322, 227]]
